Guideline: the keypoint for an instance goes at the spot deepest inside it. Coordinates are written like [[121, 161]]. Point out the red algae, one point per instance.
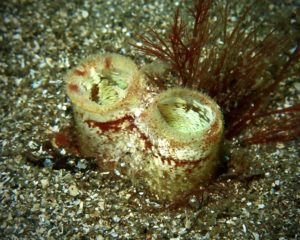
[[113, 126], [228, 64], [81, 73], [73, 87], [107, 63]]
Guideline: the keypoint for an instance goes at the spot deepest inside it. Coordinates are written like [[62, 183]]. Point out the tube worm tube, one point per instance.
[[105, 91], [182, 131]]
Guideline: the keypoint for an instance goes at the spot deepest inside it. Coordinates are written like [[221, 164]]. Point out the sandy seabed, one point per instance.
[[40, 41]]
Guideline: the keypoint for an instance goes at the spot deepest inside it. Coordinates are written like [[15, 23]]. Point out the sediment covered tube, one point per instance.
[[169, 143], [184, 129], [105, 91]]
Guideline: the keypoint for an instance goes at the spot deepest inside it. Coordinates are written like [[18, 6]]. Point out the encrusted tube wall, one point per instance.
[[105, 91], [183, 131]]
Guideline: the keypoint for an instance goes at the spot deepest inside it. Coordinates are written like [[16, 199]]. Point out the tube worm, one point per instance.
[[182, 131], [168, 142], [105, 91]]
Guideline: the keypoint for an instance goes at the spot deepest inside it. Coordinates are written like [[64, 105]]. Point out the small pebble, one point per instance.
[[45, 183], [73, 190], [116, 219]]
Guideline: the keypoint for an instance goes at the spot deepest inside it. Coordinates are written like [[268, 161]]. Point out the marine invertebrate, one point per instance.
[[238, 68], [105, 90], [184, 129], [169, 143]]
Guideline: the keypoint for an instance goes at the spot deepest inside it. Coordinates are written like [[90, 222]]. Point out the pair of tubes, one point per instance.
[[169, 142]]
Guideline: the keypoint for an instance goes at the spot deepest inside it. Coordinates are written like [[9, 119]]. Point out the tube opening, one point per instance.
[[186, 115]]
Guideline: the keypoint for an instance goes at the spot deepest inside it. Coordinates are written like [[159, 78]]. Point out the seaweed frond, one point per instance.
[[284, 128], [233, 63]]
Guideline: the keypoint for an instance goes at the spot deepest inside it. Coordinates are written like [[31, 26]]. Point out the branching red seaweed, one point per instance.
[[237, 66]]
